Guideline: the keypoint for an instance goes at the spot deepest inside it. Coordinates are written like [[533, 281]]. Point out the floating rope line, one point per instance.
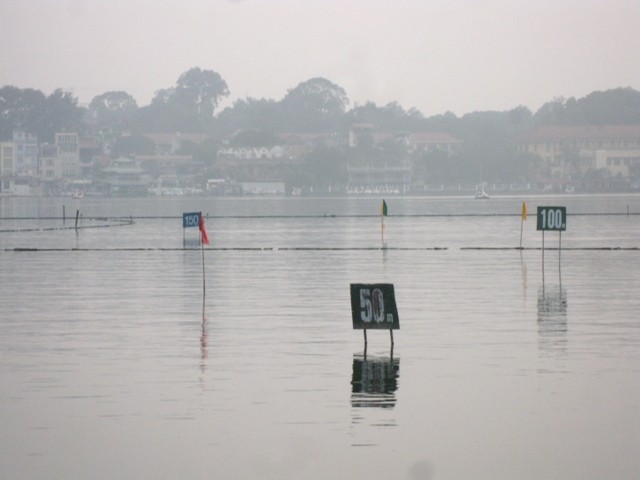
[[307, 249], [120, 222], [330, 215]]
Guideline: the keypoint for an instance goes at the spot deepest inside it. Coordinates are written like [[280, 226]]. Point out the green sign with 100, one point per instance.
[[552, 218]]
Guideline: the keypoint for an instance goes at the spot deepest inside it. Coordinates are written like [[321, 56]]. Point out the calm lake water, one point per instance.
[[109, 370]]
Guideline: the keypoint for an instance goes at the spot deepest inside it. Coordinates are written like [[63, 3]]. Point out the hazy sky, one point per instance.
[[434, 55]]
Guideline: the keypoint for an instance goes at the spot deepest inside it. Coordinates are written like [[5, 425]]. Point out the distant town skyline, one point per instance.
[[459, 56]]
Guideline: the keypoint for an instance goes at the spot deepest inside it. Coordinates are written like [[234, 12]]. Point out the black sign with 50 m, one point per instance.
[[374, 306]]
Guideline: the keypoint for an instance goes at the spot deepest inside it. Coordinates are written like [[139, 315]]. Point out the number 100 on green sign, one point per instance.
[[552, 218]]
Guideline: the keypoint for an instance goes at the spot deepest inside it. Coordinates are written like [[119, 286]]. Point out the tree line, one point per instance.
[[317, 105]]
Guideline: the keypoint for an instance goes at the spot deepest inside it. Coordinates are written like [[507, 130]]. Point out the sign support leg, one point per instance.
[[543, 257], [560, 257], [365, 342]]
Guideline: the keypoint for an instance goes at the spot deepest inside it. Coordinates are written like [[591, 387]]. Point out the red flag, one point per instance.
[[204, 238]]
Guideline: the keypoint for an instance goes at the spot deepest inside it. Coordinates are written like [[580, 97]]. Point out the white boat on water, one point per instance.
[[78, 194], [482, 195]]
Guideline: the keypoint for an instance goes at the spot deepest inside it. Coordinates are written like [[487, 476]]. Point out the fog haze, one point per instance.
[[436, 56]]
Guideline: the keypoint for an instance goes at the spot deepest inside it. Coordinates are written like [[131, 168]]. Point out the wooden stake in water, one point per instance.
[[383, 213]]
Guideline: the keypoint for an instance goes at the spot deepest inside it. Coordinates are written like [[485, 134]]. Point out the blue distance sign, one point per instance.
[[190, 219], [552, 218], [374, 306]]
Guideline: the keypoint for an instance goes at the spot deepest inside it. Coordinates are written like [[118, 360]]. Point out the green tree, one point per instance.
[[315, 105], [61, 114], [113, 109], [200, 91], [189, 106], [251, 114], [34, 112], [133, 145], [20, 109], [620, 106]]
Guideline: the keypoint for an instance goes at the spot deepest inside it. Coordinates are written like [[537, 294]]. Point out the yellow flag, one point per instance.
[[524, 211]]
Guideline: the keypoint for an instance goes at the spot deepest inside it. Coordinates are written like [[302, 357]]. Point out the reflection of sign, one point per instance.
[[374, 382], [552, 303], [552, 315], [374, 306], [190, 219], [552, 218]]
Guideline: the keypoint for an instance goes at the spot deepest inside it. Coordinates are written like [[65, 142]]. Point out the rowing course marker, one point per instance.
[[373, 306]]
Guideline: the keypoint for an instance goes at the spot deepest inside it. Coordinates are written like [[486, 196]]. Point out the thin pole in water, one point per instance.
[[521, 225], [543, 258], [560, 257], [365, 341], [204, 288]]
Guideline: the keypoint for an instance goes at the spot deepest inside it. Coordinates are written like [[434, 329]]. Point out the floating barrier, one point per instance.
[[307, 249], [330, 215], [117, 222]]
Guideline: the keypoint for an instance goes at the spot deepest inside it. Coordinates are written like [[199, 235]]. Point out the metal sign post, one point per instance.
[[189, 220], [552, 219]]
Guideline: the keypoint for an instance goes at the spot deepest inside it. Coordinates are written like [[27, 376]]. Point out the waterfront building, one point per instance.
[[7, 167], [586, 153]]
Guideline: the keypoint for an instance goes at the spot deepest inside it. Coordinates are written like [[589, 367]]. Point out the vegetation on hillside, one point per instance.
[[488, 150]]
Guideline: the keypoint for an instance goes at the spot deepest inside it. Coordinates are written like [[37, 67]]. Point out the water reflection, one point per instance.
[[523, 274], [374, 381], [203, 345], [552, 317]]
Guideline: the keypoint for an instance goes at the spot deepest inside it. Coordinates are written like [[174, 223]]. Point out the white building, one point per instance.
[[26, 154], [7, 167], [68, 146]]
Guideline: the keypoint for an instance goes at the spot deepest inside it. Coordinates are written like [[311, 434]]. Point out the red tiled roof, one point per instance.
[[302, 137], [167, 138], [432, 137], [591, 132]]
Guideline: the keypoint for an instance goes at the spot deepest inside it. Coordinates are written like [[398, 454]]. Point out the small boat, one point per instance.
[[482, 195], [78, 194]]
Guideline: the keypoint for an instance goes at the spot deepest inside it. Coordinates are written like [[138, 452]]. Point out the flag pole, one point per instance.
[[204, 238], [383, 213], [204, 288], [521, 225], [523, 217]]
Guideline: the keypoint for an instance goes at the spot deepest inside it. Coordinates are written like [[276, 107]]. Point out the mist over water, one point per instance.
[[109, 370]]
